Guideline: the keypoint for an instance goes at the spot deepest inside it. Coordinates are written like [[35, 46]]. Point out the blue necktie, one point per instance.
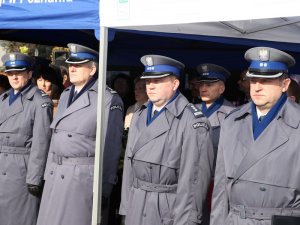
[[261, 118]]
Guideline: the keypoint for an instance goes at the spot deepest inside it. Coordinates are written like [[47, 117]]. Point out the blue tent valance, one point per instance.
[[49, 14]]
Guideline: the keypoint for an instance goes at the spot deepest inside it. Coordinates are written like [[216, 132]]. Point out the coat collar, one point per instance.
[[288, 117], [82, 102], [160, 125]]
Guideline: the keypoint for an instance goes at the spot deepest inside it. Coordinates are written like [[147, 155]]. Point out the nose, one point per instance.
[[256, 85]]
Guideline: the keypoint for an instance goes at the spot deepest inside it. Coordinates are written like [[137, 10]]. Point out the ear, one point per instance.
[[30, 74], [221, 87], [93, 70], [285, 84], [176, 83]]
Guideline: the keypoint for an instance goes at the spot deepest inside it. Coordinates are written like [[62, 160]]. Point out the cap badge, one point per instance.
[[12, 57], [204, 70], [73, 48], [149, 61], [264, 55]]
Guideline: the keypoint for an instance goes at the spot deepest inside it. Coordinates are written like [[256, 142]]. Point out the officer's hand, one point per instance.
[[35, 190], [104, 202], [123, 220]]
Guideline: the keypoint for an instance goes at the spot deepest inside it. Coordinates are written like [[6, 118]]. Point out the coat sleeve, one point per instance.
[[113, 144], [220, 204], [195, 172], [127, 178], [40, 139]]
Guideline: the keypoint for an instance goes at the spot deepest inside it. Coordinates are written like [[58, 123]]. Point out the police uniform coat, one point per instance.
[[216, 119], [167, 167], [257, 179], [67, 197], [24, 142]]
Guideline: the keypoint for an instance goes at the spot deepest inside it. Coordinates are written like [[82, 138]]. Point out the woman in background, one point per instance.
[[49, 81]]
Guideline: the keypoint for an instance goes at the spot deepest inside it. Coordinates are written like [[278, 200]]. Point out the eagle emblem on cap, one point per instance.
[[264, 55], [73, 48], [149, 61], [204, 69], [12, 57]]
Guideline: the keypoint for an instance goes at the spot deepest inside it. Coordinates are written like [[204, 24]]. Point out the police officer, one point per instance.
[[257, 172], [169, 154], [67, 197], [214, 106], [25, 134]]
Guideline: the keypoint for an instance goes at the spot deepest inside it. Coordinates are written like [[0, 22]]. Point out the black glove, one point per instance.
[[35, 190], [104, 202]]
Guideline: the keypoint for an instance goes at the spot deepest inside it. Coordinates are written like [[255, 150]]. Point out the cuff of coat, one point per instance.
[[34, 180]]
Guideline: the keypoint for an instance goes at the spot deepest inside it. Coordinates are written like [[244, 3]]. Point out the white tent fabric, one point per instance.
[[272, 20]]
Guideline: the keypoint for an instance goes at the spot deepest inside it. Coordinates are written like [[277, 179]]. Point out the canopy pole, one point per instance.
[[97, 186]]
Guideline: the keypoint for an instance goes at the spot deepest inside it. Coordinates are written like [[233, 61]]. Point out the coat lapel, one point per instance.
[[271, 138], [14, 109], [159, 126], [82, 102]]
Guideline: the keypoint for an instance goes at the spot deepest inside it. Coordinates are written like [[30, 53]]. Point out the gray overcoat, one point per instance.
[[257, 179], [216, 119], [24, 142], [67, 197], [167, 167]]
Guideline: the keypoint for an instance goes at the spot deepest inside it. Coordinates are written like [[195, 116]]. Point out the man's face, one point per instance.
[[194, 87], [244, 83], [81, 73], [18, 79], [161, 90], [140, 91], [265, 92], [211, 91]]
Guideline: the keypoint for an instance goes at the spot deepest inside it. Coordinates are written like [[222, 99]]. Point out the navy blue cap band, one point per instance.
[[162, 69], [83, 55], [17, 63], [213, 75], [275, 66]]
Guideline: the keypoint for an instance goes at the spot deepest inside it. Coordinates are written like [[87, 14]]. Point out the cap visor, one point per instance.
[[207, 80], [248, 74], [148, 76], [15, 69], [77, 60]]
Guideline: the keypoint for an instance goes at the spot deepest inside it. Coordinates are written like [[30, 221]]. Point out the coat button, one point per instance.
[[55, 131], [51, 172], [5, 154], [4, 173], [262, 188], [62, 176], [69, 135], [7, 136], [144, 215]]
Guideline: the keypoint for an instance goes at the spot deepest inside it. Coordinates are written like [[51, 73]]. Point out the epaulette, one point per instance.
[[111, 90], [4, 95], [196, 111], [234, 110]]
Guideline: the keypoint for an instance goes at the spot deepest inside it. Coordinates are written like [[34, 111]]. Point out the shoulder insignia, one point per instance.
[[111, 90], [234, 110], [113, 107], [195, 110], [47, 104], [200, 124]]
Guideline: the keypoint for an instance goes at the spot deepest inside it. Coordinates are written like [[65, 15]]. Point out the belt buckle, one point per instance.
[[59, 160], [243, 212]]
